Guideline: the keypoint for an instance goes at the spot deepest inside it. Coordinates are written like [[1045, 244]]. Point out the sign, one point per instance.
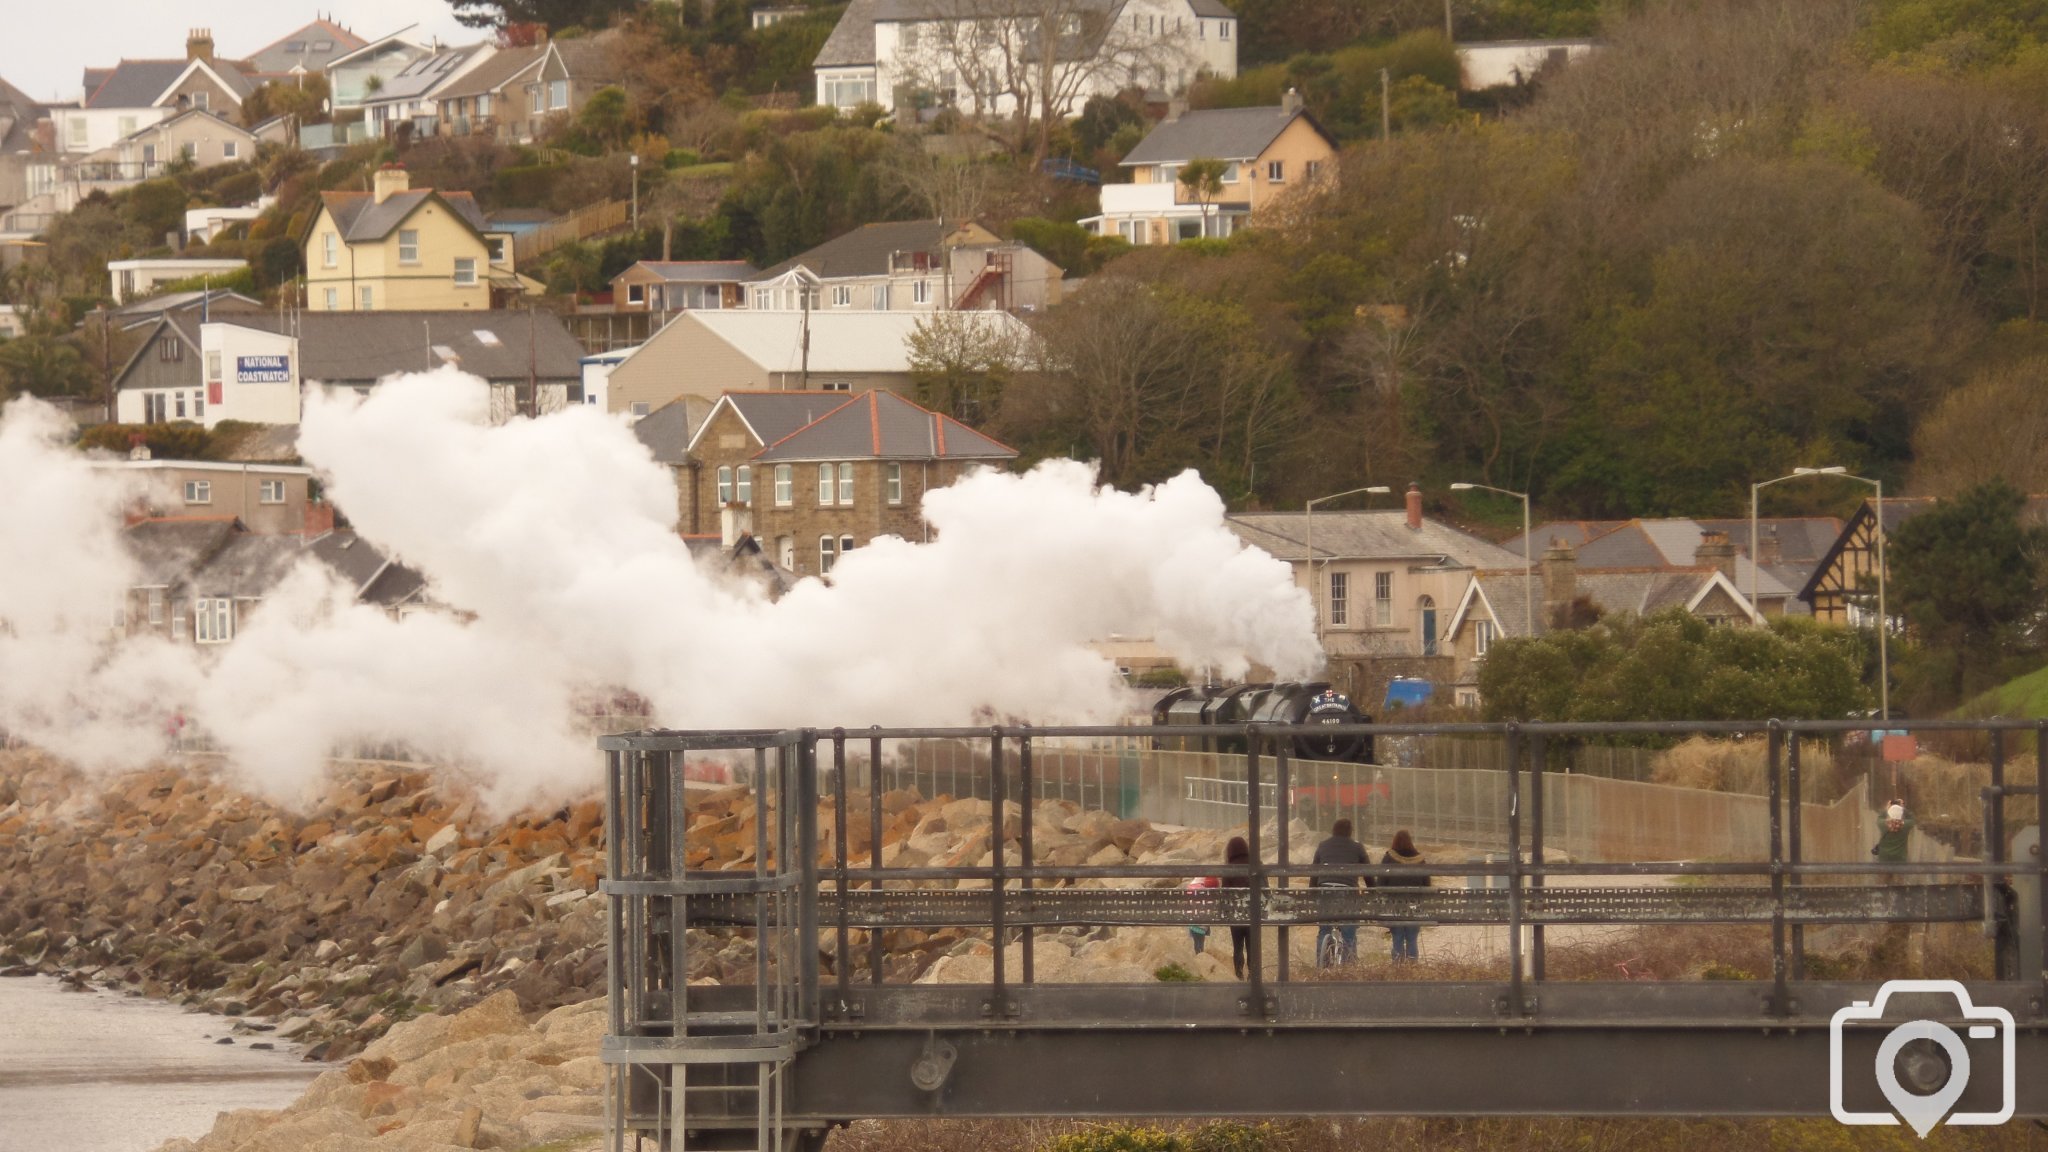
[[1900, 746], [263, 369]]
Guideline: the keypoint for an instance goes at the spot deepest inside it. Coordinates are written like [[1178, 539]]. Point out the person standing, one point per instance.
[[1238, 852], [1406, 936], [1895, 839], [1339, 849]]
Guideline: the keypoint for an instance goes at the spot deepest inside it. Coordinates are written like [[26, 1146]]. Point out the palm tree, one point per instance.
[[1202, 180]]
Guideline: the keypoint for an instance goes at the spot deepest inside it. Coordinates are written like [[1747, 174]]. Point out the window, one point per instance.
[[825, 475], [156, 607], [1425, 620], [1383, 598], [152, 407], [842, 296], [213, 620], [1482, 636], [168, 348], [836, 386], [536, 98], [743, 491], [178, 620], [640, 408], [912, 37], [1276, 171], [149, 155], [483, 105], [761, 299], [785, 552], [881, 297], [921, 292], [465, 270], [213, 367], [408, 246], [125, 127], [368, 299], [846, 483], [1314, 168], [230, 149], [1230, 172], [892, 483], [179, 399], [188, 152], [198, 405], [724, 486], [1340, 599], [74, 132], [636, 293], [330, 250], [558, 95], [501, 250], [270, 492], [785, 486], [845, 546], [1223, 29], [332, 299], [198, 491], [202, 100], [828, 551]]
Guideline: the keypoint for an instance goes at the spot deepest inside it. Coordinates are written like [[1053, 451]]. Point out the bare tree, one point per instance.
[[1036, 61], [953, 186], [1993, 428]]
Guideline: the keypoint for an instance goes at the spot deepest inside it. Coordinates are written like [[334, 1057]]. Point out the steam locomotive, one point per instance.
[[1311, 703]]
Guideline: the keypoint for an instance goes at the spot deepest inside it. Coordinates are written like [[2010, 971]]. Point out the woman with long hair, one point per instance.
[[1238, 852], [1406, 936]]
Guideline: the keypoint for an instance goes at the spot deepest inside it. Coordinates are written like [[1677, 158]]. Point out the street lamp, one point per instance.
[[634, 162], [1795, 474], [1309, 544], [1528, 568]]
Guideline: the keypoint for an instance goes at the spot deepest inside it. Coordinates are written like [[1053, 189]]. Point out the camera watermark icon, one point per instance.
[[1925, 1102]]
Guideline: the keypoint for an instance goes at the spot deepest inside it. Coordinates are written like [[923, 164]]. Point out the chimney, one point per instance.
[[1414, 507], [1768, 551], [319, 519], [1560, 578], [1715, 549], [389, 179], [1176, 108], [1290, 102], [199, 45], [735, 523]]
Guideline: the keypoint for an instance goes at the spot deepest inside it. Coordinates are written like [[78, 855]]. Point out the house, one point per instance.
[[258, 364], [1385, 584], [22, 147], [378, 580], [1843, 586], [133, 279], [915, 266], [306, 51], [11, 326], [668, 432], [1789, 546], [1486, 64], [195, 137], [135, 94], [681, 285], [770, 16], [399, 248], [204, 225], [570, 72], [709, 353], [356, 76], [410, 100], [267, 499], [491, 98], [1267, 153], [911, 54], [1502, 603], [815, 476]]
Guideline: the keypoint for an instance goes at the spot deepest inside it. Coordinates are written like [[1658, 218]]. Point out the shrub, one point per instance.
[[1174, 974]]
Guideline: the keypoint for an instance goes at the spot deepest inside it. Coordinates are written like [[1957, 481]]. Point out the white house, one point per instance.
[[356, 78], [1501, 63], [978, 55], [134, 94], [411, 94], [136, 278], [203, 224]]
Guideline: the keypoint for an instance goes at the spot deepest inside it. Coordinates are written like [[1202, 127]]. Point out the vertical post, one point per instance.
[[1515, 1001], [2041, 848], [1386, 120], [1793, 816], [1884, 667], [841, 962], [1027, 802], [805, 797], [999, 875], [1780, 997], [1537, 754], [875, 951], [1994, 851], [1283, 776], [676, 819], [1254, 888]]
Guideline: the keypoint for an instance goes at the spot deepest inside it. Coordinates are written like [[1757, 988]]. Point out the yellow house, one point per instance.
[[404, 249], [1267, 155]]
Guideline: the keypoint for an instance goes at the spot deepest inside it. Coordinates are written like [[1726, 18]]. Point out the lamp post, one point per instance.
[[1759, 486], [634, 162], [1309, 544], [1528, 566]]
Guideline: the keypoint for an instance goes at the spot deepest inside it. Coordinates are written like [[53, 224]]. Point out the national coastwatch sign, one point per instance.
[[263, 369]]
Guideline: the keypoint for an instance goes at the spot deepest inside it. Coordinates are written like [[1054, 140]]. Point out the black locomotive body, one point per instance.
[[1293, 702]]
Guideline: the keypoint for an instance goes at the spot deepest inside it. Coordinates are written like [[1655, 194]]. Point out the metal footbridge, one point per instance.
[[821, 1035]]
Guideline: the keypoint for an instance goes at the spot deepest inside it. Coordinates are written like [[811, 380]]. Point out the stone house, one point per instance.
[[400, 248], [569, 73], [1268, 154], [812, 479], [1788, 550]]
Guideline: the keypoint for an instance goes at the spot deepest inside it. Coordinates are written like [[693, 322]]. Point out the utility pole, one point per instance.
[[804, 291], [530, 406], [1448, 33], [1386, 120]]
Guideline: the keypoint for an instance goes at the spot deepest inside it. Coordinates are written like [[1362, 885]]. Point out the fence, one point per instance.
[[604, 217]]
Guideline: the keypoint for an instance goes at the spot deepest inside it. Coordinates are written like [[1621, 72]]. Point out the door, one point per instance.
[[1427, 610]]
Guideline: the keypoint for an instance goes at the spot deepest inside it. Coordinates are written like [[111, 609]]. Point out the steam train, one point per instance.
[[1311, 703]]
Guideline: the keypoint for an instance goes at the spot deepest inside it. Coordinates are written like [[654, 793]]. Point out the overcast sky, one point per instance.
[[49, 43]]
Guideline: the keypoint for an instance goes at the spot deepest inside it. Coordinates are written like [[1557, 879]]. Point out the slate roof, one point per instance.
[[698, 271], [773, 416], [1370, 536], [1802, 540], [486, 78], [1215, 134], [247, 565], [219, 300], [131, 83], [151, 328], [377, 578], [361, 348], [668, 430], [277, 58], [587, 58], [842, 341], [1213, 9], [879, 425], [167, 550], [1636, 592], [360, 218], [865, 251], [852, 43], [1672, 544], [10, 95]]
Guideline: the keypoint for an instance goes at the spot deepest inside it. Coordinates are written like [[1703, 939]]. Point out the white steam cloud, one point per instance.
[[551, 539]]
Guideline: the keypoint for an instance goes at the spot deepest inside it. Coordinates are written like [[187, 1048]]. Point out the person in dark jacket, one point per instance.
[[1238, 852], [1403, 852], [1339, 849]]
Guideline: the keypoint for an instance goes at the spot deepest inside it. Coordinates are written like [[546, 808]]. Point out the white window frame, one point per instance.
[[330, 250], [408, 246], [724, 485], [842, 296], [1340, 599], [921, 292], [828, 552], [1276, 171], [230, 149], [367, 299], [270, 492], [1482, 637], [75, 133], [213, 620], [1223, 29], [1383, 599], [213, 367], [333, 299], [1232, 172], [743, 485], [198, 491], [892, 483], [846, 484], [785, 485], [881, 298], [158, 600], [636, 293], [178, 400], [558, 95], [826, 477], [465, 271]]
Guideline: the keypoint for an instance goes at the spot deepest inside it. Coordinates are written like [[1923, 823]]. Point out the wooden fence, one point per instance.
[[577, 225]]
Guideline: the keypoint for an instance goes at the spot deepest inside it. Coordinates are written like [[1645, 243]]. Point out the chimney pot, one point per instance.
[[1768, 549], [390, 179], [1176, 108], [1414, 507], [1717, 550], [1290, 101]]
